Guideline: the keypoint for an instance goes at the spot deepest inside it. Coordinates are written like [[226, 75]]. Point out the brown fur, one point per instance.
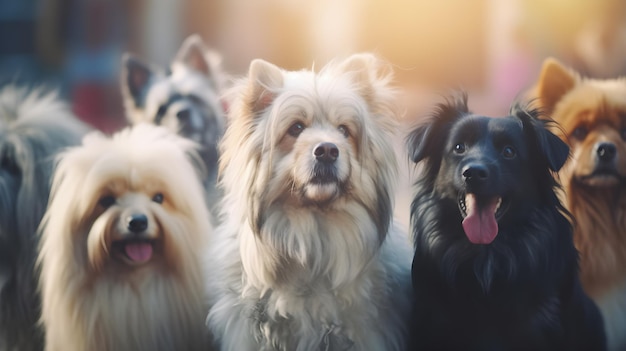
[[589, 112]]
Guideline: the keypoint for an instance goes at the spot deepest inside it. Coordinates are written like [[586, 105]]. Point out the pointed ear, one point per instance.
[[193, 53], [554, 82], [264, 79], [135, 78], [364, 68]]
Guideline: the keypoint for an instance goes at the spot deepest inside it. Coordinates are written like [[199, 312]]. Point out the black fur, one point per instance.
[[521, 291]]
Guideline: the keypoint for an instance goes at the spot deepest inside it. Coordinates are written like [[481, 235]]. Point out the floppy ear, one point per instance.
[[555, 150], [136, 77], [420, 142], [428, 139], [264, 80], [554, 82], [193, 53]]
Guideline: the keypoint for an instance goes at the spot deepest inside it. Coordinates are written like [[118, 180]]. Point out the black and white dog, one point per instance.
[[495, 267], [185, 98]]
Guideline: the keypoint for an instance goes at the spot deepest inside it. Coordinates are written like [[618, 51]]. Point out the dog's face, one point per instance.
[[130, 202], [184, 99], [491, 169], [592, 114], [315, 139]]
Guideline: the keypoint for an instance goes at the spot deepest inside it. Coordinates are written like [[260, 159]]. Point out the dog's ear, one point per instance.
[[428, 139], [554, 82], [420, 140], [136, 77], [365, 69], [555, 150], [264, 81], [193, 53]]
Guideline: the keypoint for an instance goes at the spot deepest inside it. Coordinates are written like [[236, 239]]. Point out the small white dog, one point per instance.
[[121, 246], [308, 257]]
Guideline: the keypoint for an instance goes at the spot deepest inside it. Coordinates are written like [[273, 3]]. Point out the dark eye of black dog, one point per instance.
[[580, 132], [106, 201], [158, 198], [296, 129], [509, 152], [344, 130], [459, 149]]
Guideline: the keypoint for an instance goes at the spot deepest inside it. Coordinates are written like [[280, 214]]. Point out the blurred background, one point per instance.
[[491, 48]]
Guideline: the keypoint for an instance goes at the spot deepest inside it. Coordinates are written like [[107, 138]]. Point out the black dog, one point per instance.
[[495, 267]]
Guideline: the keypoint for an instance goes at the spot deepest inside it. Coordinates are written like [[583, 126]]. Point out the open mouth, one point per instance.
[[480, 216], [135, 251], [501, 206]]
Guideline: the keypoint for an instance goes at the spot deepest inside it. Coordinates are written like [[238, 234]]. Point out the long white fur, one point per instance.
[[290, 272], [87, 305]]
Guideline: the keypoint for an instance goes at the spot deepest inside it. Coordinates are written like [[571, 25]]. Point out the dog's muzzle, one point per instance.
[[325, 170]]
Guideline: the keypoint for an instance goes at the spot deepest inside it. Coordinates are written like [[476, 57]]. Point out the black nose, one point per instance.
[[475, 173], [606, 151], [326, 152], [137, 223], [183, 115]]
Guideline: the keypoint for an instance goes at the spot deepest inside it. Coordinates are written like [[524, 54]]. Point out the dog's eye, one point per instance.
[[296, 129], [459, 148], [580, 133], [106, 201], [508, 152], [158, 198], [344, 130]]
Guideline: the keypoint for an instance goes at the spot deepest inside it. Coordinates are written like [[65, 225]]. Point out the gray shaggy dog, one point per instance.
[[34, 126]]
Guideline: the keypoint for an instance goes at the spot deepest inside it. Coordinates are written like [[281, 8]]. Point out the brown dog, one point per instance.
[[592, 115]]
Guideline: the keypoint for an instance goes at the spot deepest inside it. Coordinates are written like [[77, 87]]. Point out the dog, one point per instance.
[[495, 266], [185, 99], [592, 116], [35, 124], [122, 243], [308, 256]]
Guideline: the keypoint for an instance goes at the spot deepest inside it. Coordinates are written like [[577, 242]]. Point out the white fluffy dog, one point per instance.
[[121, 246], [307, 256]]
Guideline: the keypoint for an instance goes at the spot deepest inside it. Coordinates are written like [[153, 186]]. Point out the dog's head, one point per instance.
[[131, 201], [313, 140], [492, 169], [592, 114], [184, 99]]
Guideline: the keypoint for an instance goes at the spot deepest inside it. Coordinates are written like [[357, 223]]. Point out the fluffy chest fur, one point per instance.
[[335, 292]]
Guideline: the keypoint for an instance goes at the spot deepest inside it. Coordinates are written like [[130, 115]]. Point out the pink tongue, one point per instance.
[[480, 224], [139, 252]]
